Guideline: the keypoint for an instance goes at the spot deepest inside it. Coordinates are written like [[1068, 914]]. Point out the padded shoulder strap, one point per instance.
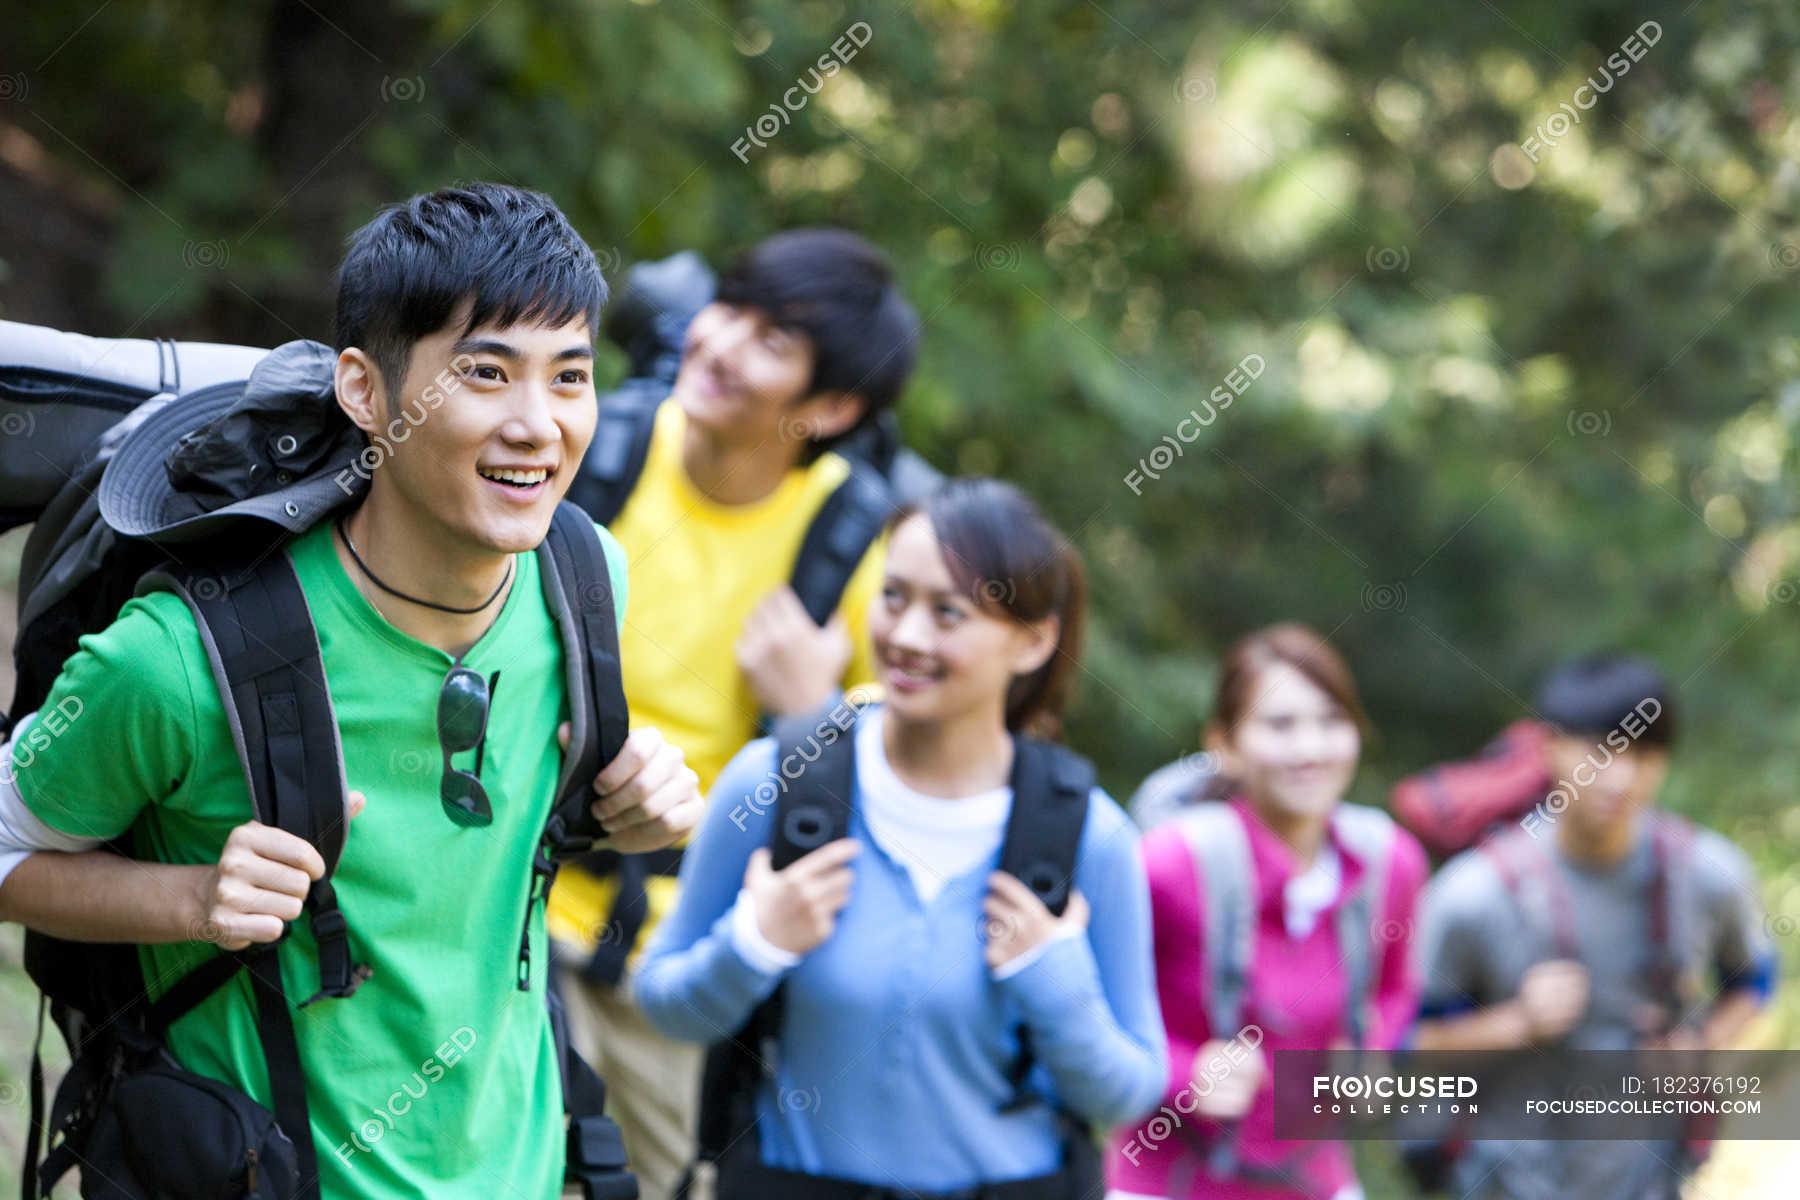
[[259, 637], [1051, 786], [615, 458], [1221, 850], [816, 763], [1368, 833], [841, 533], [1670, 911], [816, 760], [1529, 875], [578, 591], [1051, 790]]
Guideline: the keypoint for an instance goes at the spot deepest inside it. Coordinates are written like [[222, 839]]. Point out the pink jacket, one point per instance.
[[1296, 997]]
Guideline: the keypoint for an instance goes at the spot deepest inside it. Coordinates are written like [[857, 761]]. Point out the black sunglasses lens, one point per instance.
[[465, 800], [462, 710]]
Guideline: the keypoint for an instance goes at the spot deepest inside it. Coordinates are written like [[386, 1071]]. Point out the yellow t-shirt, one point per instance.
[[697, 569]]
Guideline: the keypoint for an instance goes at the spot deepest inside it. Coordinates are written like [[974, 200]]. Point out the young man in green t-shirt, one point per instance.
[[439, 1076]]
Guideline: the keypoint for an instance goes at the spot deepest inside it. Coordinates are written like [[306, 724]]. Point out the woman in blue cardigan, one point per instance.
[[908, 963]]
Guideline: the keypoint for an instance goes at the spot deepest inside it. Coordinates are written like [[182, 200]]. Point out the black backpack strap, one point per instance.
[[187, 992], [1051, 787], [578, 592], [34, 1121], [840, 534], [259, 637], [815, 809], [615, 458], [630, 909], [596, 1147], [281, 1051]]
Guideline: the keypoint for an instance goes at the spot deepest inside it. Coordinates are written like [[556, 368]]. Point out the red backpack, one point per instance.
[[1451, 806]]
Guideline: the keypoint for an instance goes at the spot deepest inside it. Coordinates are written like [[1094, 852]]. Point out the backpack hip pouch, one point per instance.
[[163, 1131]]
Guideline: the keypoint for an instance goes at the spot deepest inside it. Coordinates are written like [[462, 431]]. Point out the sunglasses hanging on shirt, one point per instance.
[[462, 718]]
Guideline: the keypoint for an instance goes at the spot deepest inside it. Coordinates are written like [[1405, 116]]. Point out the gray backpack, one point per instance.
[[1221, 849]]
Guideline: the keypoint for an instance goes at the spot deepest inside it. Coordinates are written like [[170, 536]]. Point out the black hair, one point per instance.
[[1006, 556], [838, 290], [1596, 695], [509, 252]]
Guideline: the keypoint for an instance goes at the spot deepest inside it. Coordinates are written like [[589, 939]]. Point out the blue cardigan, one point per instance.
[[896, 1038]]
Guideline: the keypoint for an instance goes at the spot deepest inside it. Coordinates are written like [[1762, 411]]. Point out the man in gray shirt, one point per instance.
[[1589, 928]]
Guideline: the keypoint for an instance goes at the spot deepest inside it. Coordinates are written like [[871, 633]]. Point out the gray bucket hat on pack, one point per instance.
[[278, 448]]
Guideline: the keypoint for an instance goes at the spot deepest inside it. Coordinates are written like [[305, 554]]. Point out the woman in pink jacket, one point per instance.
[[1281, 920]]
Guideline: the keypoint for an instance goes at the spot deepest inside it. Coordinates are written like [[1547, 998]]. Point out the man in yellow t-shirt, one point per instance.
[[806, 343]]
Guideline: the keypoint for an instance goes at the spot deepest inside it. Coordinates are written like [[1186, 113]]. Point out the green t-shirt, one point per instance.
[[439, 1076]]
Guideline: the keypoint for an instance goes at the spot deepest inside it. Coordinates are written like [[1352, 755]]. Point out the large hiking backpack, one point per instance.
[[1051, 786], [1220, 846], [1172, 789], [61, 392], [125, 1104], [1452, 806], [649, 322]]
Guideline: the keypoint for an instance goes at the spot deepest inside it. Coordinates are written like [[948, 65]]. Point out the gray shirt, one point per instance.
[[1478, 937]]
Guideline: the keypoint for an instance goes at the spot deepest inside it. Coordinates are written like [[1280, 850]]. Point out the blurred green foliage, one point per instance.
[[1522, 399]]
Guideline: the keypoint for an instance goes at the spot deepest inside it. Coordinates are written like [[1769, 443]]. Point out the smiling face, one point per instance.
[[942, 656], [744, 379], [1294, 749], [1604, 799], [485, 431]]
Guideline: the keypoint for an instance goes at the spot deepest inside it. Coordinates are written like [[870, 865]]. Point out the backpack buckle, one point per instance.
[[338, 976]]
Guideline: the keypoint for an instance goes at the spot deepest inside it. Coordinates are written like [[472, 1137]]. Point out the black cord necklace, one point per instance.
[[344, 532]]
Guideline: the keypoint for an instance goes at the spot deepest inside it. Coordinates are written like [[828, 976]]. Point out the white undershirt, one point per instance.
[[1311, 892], [21, 833], [935, 838]]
